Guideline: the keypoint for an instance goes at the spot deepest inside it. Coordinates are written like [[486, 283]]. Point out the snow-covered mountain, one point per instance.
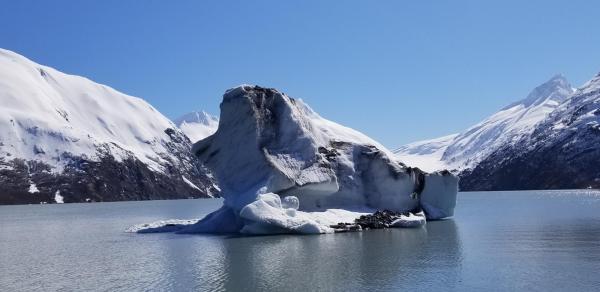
[[64, 136], [285, 169], [197, 125], [563, 151], [506, 127], [427, 154]]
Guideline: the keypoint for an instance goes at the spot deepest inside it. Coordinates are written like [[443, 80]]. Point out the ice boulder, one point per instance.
[[282, 168]]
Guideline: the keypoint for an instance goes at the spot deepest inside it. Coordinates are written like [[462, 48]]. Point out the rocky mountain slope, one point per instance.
[[64, 138], [467, 149], [563, 151], [549, 140]]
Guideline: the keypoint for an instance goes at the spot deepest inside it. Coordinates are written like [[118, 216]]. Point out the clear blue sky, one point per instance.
[[399, 71]]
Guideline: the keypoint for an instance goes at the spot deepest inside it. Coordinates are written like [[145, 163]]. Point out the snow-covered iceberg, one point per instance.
[[282, 168]]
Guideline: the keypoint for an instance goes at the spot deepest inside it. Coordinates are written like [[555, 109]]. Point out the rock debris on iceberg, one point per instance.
[[282, 168]]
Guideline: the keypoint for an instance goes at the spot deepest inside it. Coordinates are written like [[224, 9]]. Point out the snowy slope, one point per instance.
[[45, 113], [285, 169], [197, 125], [56, 120], [427, 154], [508, 125], [562, 151], [505, 127]]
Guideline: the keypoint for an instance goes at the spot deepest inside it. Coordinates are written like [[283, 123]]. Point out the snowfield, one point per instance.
[[282, 168]]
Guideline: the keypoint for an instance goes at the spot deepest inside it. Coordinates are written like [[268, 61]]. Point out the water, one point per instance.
[[504, 241]]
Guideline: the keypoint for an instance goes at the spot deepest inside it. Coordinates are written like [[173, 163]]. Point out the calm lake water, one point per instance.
[[499, 241]]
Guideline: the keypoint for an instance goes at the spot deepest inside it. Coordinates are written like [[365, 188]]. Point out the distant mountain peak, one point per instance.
[[557, 89], [561, 152], [196, 117], [197, 125], [506, 126]]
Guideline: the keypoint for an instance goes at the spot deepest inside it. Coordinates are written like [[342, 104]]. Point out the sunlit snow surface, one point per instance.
[[283, 168], [46, 114], [427, 155]]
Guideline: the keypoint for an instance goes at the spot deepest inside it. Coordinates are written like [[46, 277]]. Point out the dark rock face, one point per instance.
[[378, 220], [107, 179], [563, 165]]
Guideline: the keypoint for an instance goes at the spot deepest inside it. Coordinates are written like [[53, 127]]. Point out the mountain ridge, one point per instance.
[[65, 134], [505, 126], [554, 144]]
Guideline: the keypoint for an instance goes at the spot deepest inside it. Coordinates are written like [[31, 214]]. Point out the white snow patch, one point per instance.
[[33, 188], [192, 185], [426, 155], [412, 220], [189, 183], [58, 198]]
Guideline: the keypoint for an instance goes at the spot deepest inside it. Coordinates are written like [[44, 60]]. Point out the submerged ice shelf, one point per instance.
[[282, 168]]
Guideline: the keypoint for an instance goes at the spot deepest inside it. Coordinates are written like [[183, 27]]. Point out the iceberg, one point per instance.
[[282, 168]]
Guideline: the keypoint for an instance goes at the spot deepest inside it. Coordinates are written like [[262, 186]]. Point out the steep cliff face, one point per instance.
[[284, 168], [66, 137]]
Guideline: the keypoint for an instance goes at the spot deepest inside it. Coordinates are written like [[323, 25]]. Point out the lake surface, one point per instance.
[[498, 241]]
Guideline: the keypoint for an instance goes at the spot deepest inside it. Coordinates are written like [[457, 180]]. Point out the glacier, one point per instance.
[[282, 168]]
